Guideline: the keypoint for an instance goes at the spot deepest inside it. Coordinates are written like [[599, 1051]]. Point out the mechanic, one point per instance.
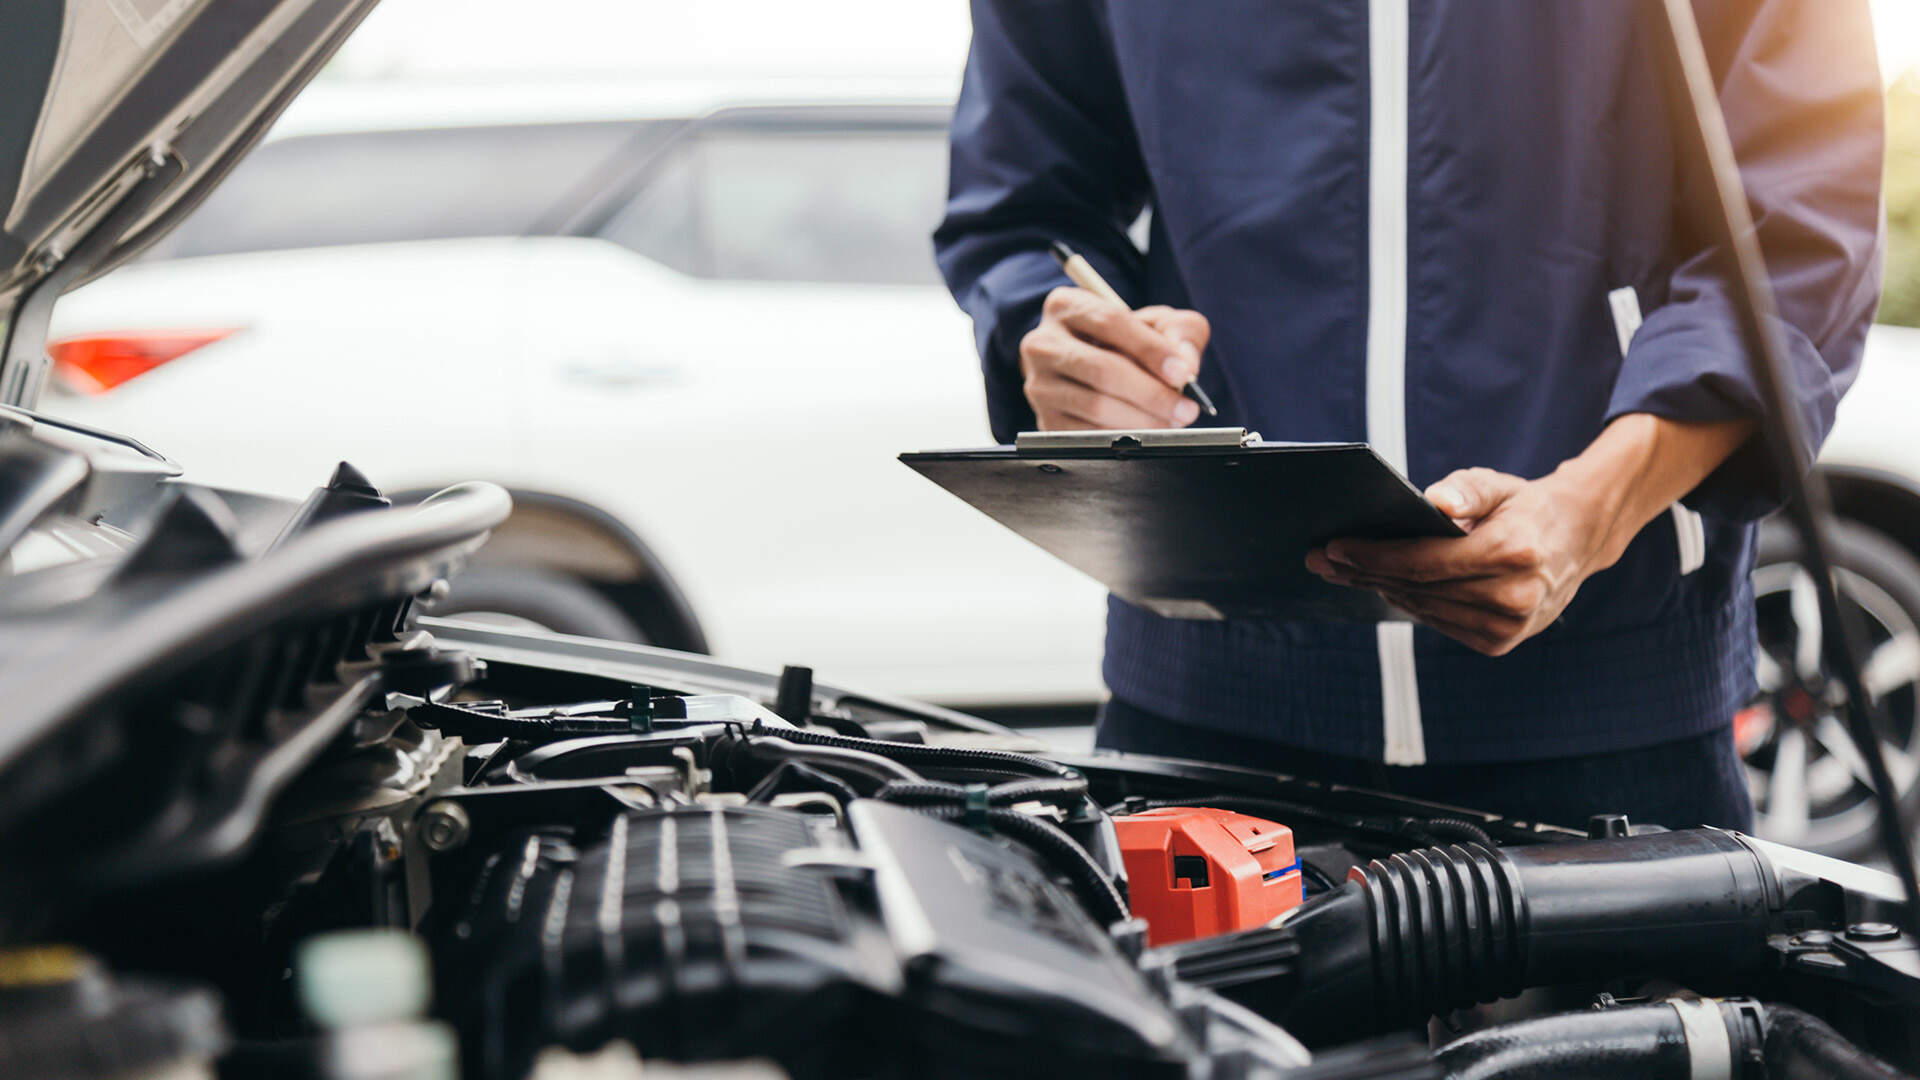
[[1436, 227]]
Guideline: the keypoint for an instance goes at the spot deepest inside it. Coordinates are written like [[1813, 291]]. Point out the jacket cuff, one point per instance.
[[1692, 364]]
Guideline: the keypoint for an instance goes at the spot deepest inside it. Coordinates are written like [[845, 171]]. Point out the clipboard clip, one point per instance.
[[1050, 441]]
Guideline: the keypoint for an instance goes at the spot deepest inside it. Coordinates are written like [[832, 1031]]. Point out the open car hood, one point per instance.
[[116, 117]]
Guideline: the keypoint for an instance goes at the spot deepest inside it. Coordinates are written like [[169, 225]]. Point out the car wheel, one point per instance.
[[525, 598], [1809, 786]]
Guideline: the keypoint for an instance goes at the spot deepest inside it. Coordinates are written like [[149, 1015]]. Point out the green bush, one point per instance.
[[1900, 303]]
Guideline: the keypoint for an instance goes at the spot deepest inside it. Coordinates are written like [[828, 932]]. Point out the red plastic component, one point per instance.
[[1194, 872]]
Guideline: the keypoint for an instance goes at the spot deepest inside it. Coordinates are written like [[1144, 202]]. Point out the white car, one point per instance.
[[647, 310], [643, 314]]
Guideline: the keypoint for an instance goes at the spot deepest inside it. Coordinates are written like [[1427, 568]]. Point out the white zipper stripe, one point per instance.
[[1387, 233], [1406, 741], [1689, 531], [1387, 52]]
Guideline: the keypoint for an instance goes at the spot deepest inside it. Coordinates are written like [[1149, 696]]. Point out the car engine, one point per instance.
[[262, 818]]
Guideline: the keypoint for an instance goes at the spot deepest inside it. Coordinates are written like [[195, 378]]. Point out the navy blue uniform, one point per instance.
[[1435, 226]]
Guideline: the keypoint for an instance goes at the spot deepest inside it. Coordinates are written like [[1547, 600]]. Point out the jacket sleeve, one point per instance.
[[1042, 150], [1801, 91]]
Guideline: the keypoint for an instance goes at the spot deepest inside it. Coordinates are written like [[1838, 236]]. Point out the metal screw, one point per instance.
[[444, 826]]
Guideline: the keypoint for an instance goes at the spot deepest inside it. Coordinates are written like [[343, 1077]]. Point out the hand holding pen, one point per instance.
[[1094, 363]]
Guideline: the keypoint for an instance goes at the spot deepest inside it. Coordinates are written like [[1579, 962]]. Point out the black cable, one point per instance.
[[928, 758], [1455, 830], [770, 785], [874, 770], [1063, 793], [1808, 506], [1095, 890], [1418, 830]]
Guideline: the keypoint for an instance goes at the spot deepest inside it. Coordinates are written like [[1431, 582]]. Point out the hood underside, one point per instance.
[[116, 116]]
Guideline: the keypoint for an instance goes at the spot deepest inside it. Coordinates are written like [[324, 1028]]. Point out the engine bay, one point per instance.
[[262, 818]]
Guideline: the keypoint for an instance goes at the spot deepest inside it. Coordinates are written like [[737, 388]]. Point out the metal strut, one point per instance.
[[1809, 508]]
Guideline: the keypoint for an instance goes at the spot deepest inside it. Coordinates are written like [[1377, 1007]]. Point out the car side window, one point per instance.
[[385, 186], [662, 221], [834, 207]]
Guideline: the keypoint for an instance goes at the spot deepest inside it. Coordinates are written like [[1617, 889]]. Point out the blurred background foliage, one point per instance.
[[1901, 302]]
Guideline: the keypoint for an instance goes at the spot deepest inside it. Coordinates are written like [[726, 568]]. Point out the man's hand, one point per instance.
[[1094, 364], [1528, 547], [1531, 543]]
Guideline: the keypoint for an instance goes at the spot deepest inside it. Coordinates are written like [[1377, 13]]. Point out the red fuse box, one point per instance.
[[1193, 871]]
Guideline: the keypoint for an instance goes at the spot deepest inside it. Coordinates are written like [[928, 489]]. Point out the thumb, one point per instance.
[[1470, 494]]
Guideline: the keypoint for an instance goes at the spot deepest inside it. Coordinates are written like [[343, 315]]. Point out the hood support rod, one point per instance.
[[1702, 124], [23, 352]]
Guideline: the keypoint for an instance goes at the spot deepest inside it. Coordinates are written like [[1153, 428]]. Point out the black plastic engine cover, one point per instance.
[[1006, 973], [685, 933], [911, 947]]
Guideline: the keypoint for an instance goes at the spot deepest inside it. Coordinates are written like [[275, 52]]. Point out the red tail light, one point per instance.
[[96, 363]]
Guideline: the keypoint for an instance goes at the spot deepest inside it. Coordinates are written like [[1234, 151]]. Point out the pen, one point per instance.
[[1084, 275]]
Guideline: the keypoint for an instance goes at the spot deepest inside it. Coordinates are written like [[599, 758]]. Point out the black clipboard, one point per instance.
[[1205, 524]]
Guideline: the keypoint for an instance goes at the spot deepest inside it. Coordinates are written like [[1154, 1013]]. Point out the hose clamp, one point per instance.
[[977, 804], [1709, 1049]]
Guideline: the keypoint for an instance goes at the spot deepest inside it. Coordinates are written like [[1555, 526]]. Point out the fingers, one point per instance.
[[1062, 404], [1481, 631], [1471, 494], [1508, 595], [1066, 375], [1485, 552], [1490, 615], [1115, 328], [1189, 329], [1485, 630]]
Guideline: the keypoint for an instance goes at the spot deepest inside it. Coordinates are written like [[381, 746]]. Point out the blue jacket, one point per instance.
[[1435, 226]]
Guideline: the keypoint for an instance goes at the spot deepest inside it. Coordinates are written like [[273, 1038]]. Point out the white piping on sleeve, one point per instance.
[[1689, 532], [1625, 304], [1388, 57]]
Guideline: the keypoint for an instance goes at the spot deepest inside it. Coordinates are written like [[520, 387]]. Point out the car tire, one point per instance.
[[1807, 793], [529, 598]]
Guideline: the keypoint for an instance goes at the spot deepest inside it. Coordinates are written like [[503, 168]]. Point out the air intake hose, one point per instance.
[[1428, 931]]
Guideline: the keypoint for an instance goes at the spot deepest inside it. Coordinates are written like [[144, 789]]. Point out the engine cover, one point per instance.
[[704, 933]]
